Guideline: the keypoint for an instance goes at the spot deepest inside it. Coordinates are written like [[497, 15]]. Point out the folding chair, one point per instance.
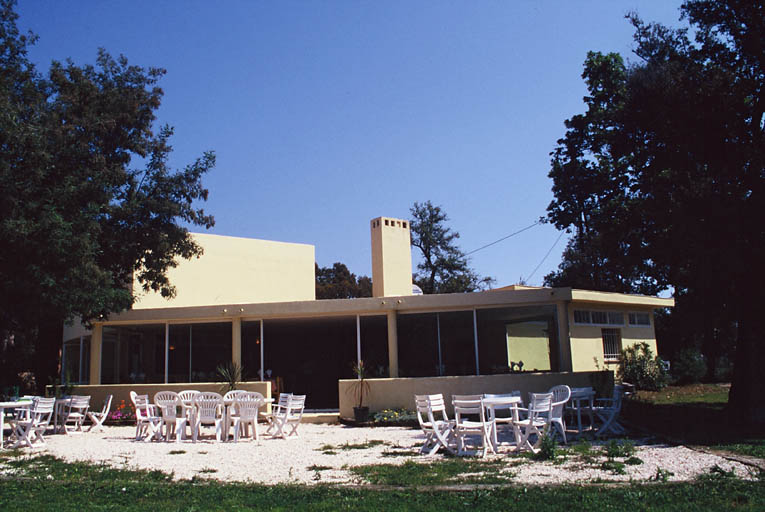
[[29, 429], [97, 418], [537, 422], [75, 413], [607, 410], [464, 427], [438, 433], [147, 418], [286, 416]]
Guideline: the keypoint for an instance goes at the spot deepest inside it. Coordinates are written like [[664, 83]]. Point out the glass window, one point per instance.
[[612, 344], [133, 354], [196, 351], [76, 359], [640, 319], [251, 350], [581, 316], [615, 318], [599, 317]]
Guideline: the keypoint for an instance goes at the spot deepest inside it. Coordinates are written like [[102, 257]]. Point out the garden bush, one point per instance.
[[688, 366], [641, 368]]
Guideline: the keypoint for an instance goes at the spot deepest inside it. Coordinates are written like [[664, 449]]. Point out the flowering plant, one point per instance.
[[123, 412]]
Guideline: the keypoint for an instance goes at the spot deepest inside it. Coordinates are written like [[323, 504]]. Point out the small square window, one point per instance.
[[404, 224], [386, 222]]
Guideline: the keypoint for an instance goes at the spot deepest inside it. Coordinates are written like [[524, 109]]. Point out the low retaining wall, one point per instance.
[[98, 392], [399, 393]]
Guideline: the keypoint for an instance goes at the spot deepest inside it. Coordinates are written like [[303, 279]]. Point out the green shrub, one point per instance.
[[547, 448], [400, 417], [640, 367], [616, 448], [689, 366]]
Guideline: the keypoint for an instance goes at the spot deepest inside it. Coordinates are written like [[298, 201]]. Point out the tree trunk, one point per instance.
[[47, 357], [747, 401]]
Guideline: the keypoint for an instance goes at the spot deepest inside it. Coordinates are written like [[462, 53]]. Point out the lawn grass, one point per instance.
[[695, 415], [46, 484]]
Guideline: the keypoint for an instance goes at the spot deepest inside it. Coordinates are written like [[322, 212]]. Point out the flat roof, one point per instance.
[[521, 296]]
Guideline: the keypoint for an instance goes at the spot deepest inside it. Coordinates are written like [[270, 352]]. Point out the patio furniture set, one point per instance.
[[172, 414], [31, 417], [480, 416]]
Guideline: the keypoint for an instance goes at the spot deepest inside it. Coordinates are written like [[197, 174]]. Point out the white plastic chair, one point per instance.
[[464, 427], [438, 432], [537, 421], [209, 410], [607, 410], [561, 395], [169, 403], [247, 405], [97, 418], [29, 429], [75, 413], [187, 397], [277, 407], [287, 416], [147, 418]]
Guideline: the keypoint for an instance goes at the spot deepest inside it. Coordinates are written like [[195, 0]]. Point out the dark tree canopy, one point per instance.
[[661, 179], [337, 282], [444, 267], [88, 197]]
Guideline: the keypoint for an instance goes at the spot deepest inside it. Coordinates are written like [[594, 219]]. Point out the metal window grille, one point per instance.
[[612, 344]]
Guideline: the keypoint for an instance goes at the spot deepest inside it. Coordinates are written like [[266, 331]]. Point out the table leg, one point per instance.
[[579, 416]]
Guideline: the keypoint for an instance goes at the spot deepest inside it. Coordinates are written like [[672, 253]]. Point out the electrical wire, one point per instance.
[[504, 238], [545, 257]]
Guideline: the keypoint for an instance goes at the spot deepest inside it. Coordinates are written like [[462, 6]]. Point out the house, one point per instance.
[[253, 302]]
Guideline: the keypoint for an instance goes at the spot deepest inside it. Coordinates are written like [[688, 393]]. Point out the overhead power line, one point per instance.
[[528, 279], [504, 237]]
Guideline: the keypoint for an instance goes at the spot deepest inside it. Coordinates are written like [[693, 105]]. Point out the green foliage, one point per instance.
[[660, 179], [360, 386], [547, 448], [232, 374], [639, 367], [444, 267], [398, 417], [633, 461], [89, 199], [337, 282], [662, 475], [619, 448], [460, 470], [688, 366], [614, 467]]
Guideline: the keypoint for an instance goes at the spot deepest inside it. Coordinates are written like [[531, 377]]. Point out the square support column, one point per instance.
[[392, 345], [236, 341], [96, 338], [564, 338]]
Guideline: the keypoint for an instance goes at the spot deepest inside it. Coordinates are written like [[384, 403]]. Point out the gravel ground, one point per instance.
[[323, 452]]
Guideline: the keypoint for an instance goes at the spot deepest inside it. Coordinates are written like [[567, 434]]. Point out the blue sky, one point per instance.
[[324, 115]]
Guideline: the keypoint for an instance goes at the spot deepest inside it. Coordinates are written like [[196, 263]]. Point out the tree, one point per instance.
[[444, 267], [662, 177], [337, 282], [89, 198]]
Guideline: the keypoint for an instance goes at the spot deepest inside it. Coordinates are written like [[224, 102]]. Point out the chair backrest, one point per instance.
[[230, 395], [296, 405], [107, 405], [540, 404], [561, 395], [79, 402], [618, 396], [209, 405], [428, 406], [42, 410], [140, 402], [168, 403], [248, 403], [187, 395], [468, 404]]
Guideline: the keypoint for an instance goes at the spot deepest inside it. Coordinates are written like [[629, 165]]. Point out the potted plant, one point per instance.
[[358, 388]]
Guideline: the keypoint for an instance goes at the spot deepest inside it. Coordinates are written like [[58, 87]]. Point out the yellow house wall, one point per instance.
[[238, 271], [587, 340], [527, 342], [399, 393]]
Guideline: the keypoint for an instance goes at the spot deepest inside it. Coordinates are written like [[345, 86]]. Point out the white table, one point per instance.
[[502, 402], [21, 404], [578, 399]]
